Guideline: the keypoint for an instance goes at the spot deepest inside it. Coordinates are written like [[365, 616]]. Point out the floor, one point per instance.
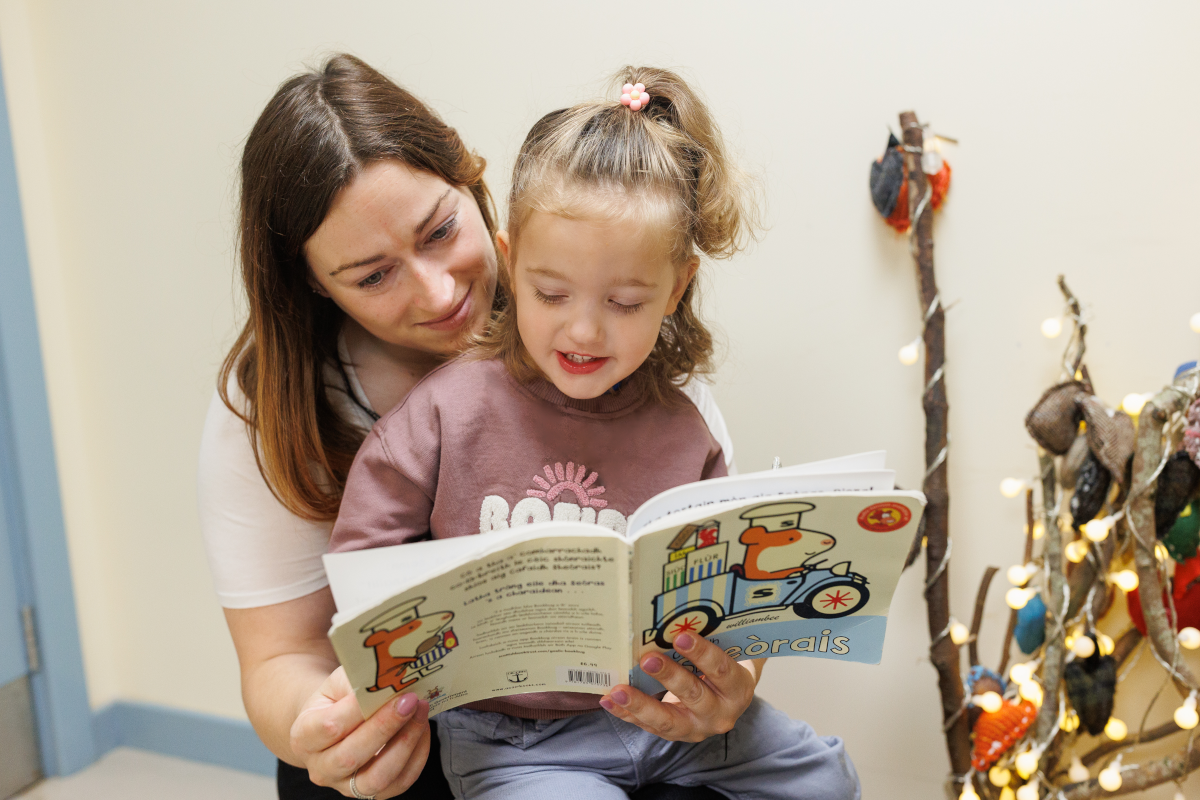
[[127, 774]]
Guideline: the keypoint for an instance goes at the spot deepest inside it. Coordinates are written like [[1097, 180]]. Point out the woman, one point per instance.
[[367, 257]]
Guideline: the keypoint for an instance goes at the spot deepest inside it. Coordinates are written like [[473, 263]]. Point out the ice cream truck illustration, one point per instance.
[[407, 644], [781, 568]]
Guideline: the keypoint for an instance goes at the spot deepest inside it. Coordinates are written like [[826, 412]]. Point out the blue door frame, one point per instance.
[[29, 480]]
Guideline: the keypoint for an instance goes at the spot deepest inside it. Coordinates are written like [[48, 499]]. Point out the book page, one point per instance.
[[789, 480], [548, 613], [802, 574]]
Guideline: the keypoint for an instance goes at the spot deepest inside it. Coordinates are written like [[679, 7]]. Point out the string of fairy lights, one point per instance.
[[1082, 639]]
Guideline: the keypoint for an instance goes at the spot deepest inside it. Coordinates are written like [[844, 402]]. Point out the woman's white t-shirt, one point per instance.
[[260, 552]]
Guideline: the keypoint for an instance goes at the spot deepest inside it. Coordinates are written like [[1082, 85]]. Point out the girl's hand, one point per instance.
[[696, 706], [385, 754]]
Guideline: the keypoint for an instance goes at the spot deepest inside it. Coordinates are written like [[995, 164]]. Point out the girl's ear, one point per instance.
[[682, 280], [504, 246]]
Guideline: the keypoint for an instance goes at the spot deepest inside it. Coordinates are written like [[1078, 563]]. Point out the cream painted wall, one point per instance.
[[1077, 125]]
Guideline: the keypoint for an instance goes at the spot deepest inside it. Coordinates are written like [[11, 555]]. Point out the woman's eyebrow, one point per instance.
[[360, 263], [417, 230]]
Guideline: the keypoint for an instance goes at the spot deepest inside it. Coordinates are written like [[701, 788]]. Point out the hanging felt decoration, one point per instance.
[[1183, 538], [1091, 683], [1068, 471], [1191, 432], [1031, 625], [889, 183], [1091, 488], [980, 679], [995, 733], [1054, 419], [1177, 485], [1185, 596], [1111, 435]]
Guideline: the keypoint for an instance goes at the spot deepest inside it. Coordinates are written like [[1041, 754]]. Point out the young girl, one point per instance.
[[611, 205]]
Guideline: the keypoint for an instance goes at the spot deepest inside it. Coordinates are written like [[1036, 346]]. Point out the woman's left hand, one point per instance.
[[696, 706]]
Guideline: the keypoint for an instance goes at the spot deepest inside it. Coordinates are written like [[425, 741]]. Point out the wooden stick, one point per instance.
[[943, 652], [977, 619], [1055, 652], [1146, 459], [1154, 734]]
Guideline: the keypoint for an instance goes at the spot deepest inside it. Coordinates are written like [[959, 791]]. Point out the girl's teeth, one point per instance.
[[580, 359]]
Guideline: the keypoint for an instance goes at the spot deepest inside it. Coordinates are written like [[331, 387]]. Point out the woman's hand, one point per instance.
[[696, 706], [384, 754]]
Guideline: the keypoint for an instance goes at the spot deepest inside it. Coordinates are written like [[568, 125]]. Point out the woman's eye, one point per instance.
[[373, 279], [444, 231]]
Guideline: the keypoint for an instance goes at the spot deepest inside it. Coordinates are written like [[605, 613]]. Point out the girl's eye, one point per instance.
[[374, 279], [626, 309], [547, 298], [444, 231]]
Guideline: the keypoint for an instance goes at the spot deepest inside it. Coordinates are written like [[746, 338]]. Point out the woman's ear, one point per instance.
[[682, 280], [316, 287]]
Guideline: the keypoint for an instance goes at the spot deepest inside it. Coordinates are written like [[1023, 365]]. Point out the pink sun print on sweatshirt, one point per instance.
[[568, 479]]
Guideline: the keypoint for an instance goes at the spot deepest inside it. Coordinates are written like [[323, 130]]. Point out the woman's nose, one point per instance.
[[433, 287]]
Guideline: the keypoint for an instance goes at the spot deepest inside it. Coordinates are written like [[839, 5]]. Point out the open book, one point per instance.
[[796, 561]]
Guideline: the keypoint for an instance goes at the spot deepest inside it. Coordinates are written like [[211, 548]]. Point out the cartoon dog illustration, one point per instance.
[[776, 545], [405, 640]]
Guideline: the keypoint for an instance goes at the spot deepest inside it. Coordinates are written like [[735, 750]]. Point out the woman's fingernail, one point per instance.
[[652, 664], [684, 641], [619, 697], [406, 705], [606, 704]]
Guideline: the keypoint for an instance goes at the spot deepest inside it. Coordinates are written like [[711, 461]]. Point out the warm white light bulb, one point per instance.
[[1179, 794], [1078, 773], [1021, 673], [968, 793], [1028, 792], [1096, 530], [910, 352], [1017, 598], [1126, 580], [1076, 551], [1107, 645], [1084, 647], [1133, 403], [1052, 327], [1011, 487], [1186, 716], [1115, 729], [1160, 552], [989, 702], [999, 776], [1016, 575], [1196, 322], [1070, 721], [959, 633], [1189, 638], [1007, 794], [1032, 691], [1110, 778], [1039, 529], [1026, 763]]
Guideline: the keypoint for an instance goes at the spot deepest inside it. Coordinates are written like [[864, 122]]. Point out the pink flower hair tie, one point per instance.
[[634, 96]]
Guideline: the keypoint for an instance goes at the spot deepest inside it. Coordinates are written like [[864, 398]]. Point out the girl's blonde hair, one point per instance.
[[666, 165]]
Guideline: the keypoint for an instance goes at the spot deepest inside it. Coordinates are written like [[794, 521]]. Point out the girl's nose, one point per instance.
[[586, 328]]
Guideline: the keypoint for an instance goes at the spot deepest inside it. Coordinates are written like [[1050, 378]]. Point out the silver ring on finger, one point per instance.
[[354, 789]]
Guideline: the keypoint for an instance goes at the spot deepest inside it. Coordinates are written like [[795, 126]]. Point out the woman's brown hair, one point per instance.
[[313, 138], [665, 164]]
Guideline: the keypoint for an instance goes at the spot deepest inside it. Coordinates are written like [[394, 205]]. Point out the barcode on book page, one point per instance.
[[581, 676]]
